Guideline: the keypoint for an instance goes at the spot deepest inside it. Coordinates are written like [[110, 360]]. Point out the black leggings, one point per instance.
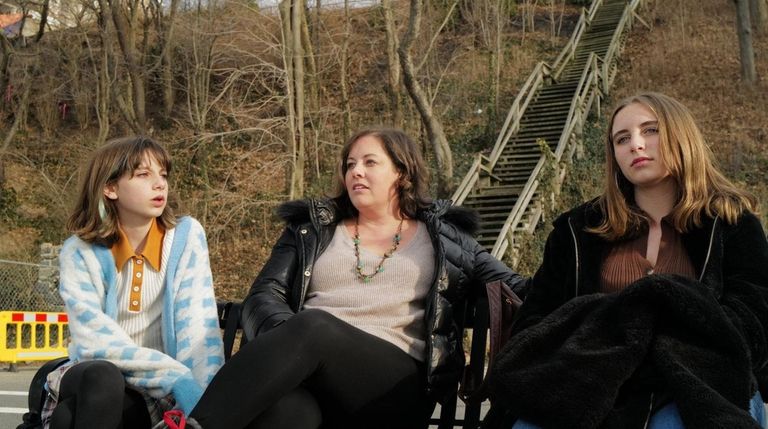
[[93, 395], [314, 369]]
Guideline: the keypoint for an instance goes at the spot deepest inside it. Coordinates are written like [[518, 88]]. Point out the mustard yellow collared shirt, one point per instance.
[[151, 254]]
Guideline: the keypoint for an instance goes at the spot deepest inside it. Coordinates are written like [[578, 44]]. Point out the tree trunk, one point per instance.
[[343, 82], [287, 51], [393, 66], [5, 65], [169, 94], [434, 128], [314, 102], [759, 16], [747, 53], [43, 21], [293, 58], [298, 78], [20, 115], [126, 39], [497, 58], [101, 70]]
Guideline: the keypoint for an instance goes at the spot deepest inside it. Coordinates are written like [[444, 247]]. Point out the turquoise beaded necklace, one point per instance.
[[366, 278]]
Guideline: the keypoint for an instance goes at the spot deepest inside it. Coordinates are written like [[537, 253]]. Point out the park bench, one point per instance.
[[475, 317]]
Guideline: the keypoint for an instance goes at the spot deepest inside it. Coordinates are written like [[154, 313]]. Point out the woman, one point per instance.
[[352, 320], [650, 308]]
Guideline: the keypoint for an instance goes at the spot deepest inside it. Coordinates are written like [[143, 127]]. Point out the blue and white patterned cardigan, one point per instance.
[[191, 335]]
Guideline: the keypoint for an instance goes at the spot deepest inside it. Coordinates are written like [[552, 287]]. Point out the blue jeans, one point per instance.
[[669, 417]]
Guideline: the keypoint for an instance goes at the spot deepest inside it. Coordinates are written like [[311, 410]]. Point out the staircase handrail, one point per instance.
[[514, 116], [569, 50], [512, 122], [590, 78], [617, 34], [591, 74], [473, 174], [510, 127]]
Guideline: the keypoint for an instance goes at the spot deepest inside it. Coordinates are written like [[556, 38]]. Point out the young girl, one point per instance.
[[137, 287], [650, 309]]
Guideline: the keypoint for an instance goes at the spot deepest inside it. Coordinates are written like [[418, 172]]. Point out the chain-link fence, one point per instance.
[[20, 288]]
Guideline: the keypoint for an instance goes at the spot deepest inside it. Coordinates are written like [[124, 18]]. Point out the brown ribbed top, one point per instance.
[[626, 261]]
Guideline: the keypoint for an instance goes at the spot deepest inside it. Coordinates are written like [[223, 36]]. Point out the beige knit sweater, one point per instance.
[[391, 305]]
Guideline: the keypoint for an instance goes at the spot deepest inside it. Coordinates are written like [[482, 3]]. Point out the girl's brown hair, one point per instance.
[[413, 186], [94, 217], [702, 188]]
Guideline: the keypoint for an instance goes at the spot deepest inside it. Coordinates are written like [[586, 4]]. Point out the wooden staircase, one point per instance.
[[551, 107]]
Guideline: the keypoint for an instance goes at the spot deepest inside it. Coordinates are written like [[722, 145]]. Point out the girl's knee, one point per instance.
[[102, 374]]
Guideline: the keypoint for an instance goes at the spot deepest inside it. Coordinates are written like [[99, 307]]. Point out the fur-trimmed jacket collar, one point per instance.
[[462, 267], [323, 212]]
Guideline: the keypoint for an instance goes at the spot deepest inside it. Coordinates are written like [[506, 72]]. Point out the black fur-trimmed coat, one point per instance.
[[583, 359], [462, 267]]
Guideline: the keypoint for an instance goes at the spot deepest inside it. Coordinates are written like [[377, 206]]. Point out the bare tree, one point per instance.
[[198, 64], [759, 16], [293, 58], [747, 53], [437, 139], [124, 16], [393, 65], [5, 65], [343, 78], [19, 114], [312, 76], [101, 60], [165, 29], [488, 18], [43, 20]]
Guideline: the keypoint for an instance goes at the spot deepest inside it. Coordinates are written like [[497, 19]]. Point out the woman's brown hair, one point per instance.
[[702, 188], [413, 185], [94, 217]]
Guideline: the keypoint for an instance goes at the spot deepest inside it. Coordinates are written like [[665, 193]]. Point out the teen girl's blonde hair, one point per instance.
[[702, 188], [94, 218]]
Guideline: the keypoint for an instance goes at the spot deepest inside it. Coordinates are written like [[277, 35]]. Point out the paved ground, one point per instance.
[[13, 394], [14, 387]]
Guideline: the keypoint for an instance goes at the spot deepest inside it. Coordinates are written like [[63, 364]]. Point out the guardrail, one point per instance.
[[569, 50], [586, 92], [32, 336], [511, 125], [597, 77]]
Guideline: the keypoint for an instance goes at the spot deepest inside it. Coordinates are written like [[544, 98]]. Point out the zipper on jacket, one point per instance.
[[709, 249], [650, 410], [576, 253]]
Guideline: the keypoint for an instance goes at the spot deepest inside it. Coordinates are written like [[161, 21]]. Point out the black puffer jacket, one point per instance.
[[582, 359], [462, 267]]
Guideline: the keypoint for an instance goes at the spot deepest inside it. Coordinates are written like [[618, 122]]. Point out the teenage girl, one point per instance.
[[137, 286]]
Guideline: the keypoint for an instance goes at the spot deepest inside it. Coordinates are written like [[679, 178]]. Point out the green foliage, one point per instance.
[[583, 181], [466, 143], [8, 205]]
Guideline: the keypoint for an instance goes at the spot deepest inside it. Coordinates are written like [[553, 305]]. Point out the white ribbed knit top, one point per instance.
[[391, 305], [144, 327]]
